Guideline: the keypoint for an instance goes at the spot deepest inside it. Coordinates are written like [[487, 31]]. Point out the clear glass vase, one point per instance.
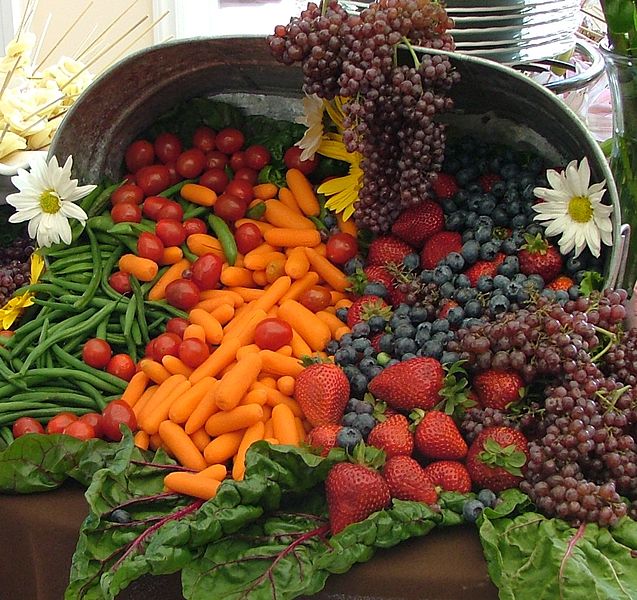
[[622, 79]]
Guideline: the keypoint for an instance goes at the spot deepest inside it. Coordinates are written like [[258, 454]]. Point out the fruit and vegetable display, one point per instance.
[[271, 347]]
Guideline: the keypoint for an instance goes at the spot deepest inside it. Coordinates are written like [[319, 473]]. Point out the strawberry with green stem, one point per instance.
[[540, 257], [322, 391], [366, 307], [449, 475], [437, 437]]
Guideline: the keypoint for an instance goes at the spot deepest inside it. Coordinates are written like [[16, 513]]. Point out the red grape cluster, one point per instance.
[[14, 267]]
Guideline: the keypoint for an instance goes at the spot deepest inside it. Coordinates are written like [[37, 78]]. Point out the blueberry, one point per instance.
[[358, 385], [471, 509], [509, 171], [513, 207], [341, 313], [411, 261], [442, 274], [352, 404], [471, 322], [487, 206], [462, 281], [364, 423], [509, 246], [448, 206], [498, 189], [471, 218], [482, 234], [447, 289], [501, 281], [578, 276], [512, 290], [348, 437], [484, 221], [499, 304], [500, 216], [473, 203], [520, 278], [361, 344], [345, 340], [473, 308], [536, 281], [375, 288], [574, 264], [350, 267], [523, 296], [455, 316], [396, 320], [484, 284], [386, 343], [470, 251], [405, 346], [345, 356], [455, 221], [392, 362], [533, 229], [365, 364], [403, 309], [119, 515], [455, 261], [487, 497], [463, 295], [466, 175], [573, 292], [448, 358], [332, 347], [433, 349], [561, 296], [508, 270], [376, 323], [426, 276], [360, 330], [461, 197], [489, 250], [405, 330], [418, 314], [440, 325], [519, 221], [467, 235]]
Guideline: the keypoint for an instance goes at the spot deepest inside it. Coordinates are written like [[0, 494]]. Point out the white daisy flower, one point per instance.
[[575, 210], [313, 119], [47, 199]]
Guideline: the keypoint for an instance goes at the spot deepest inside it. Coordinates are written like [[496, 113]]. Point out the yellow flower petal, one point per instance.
[[37, 266]]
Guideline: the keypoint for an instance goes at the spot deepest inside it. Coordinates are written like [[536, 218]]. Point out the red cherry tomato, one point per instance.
[[248, 236], [204, 139], [238, 160], [171, 210], [177, 325], [26, 425], [193, 352], [250, 175], [194, 225], [95, 421], [120, 282], [241, 189], [229, 140], [166, 343], [292, 160], [216, 160], [96, 353], [139, 154], [80, 430], [183, 294], [117, 413], [60, 422], [271, 334], [150, 246], [206, 271], [149, 350], [316, 298], [216, 179], [126, 212], [152, 205], [129, 192], [257, 157], [172, 172], [191, 163], [167, 147], [171, 232], [153, 179], [122, 366], [230, 208], [340, 247]]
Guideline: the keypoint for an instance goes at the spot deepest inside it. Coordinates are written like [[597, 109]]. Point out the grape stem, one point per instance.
[[412, 52], [612, 340]]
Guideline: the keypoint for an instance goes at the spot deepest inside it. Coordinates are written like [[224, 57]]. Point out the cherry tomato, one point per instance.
[[204, 139], [177, 325], [248, 236], [341, 247], [122, 366], [166, 343], [6, 333], [229, 140], [126, 212], [257, 157], [153, 179], [167, 147], [241, 189], [120, 282], [139, 154], [250, 175], [193, 352], [316, 298], [292, 160], [96, 353], [80, 430], [171, 232], [206, 271], [149, 350], [171, 210], [26, 425], [172, 172], [60, 422], [194, 225], [230, 208], [238, 160], [183, 294], [129, 192], [150, 246], [152, 205], [216, 160], [117, 413], [271, 334], [216, 179], [191, 163], [95, 421]]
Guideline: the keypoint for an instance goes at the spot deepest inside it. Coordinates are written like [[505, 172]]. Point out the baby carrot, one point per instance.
[[284, 425], [255, 396], [248, 294], [332, 321], [280, 215], [139, 405], [162, 392], [183, 407], [156, 371], [200, 439], [239, 417], [211, 303], [273, 294], [172, 255], [285, 384], [160, 409], [215, 471], [192, 484], [236, 277], [211, 327], [228, 295], [344, 303], [142, 268], [283, 236], [202, 243], [135, 388], [203, 411], [264, 191], [285, 350], [341, 331], [266, 380], [275, 398], [258, 262], [287, 197], [223, 447], [297, 264], [337, 296], [198, 194], [263, 227], [195, 331], [275, 268], [141, 439], [300, 429], [174, 272], [223, 313], [331, 274], [260, 278], [245, 332], [236, 382], [268, 429], [316, 333], [278, 365], [303, 192], [175, 365], [217, 361], [263, 248], [310, 279], [249, 349], [154, 442], [347, 226], [299, 346], [181, 446], [253, 434]]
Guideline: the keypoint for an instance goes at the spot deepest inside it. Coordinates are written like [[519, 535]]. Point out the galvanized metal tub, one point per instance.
[[492, 100]]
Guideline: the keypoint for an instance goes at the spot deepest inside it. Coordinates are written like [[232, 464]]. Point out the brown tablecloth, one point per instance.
[[38, 534]]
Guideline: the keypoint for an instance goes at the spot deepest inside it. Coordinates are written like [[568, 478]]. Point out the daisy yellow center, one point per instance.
[[50, 202], [580, 209]]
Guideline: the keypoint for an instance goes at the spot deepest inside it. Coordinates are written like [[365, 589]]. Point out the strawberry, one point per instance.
[[449, 475], [393, 436], [419, 222], [541, 257], [322, 391], [487, 180], [562, 282], [407, 480], [375, 340], [498, 389], [380, 274], [496, 457], [365, 307], [413, 383], [387, 249], [353, 493], [445, 186], [323, 437], [437, 437], [438, 246], [484, 267]]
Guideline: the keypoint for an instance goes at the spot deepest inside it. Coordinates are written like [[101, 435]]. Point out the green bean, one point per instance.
[[82, 266], [129, 317], [188, 254], [79, 365], [100, 223], [7, 435], [116, 339], [225, 237], [71, 321], [37, 377], [88, 294], [167, 308], [53, 397], [87, 201], [43, 333], [83, 278], [155, 324], [101, 202], [92, 392], [43, 414], [24, 405], [45, 288], [8, 375], [136, 334], [175, 188], [193, 211], [257, 211], [100, 332], [106, 271], [52, 304], [81, 256], [138, 298]]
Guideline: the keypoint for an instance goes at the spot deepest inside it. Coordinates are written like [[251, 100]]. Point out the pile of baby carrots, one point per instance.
[[207, 417]]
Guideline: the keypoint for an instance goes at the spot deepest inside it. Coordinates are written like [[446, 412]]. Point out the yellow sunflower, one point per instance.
[[14, 308]]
